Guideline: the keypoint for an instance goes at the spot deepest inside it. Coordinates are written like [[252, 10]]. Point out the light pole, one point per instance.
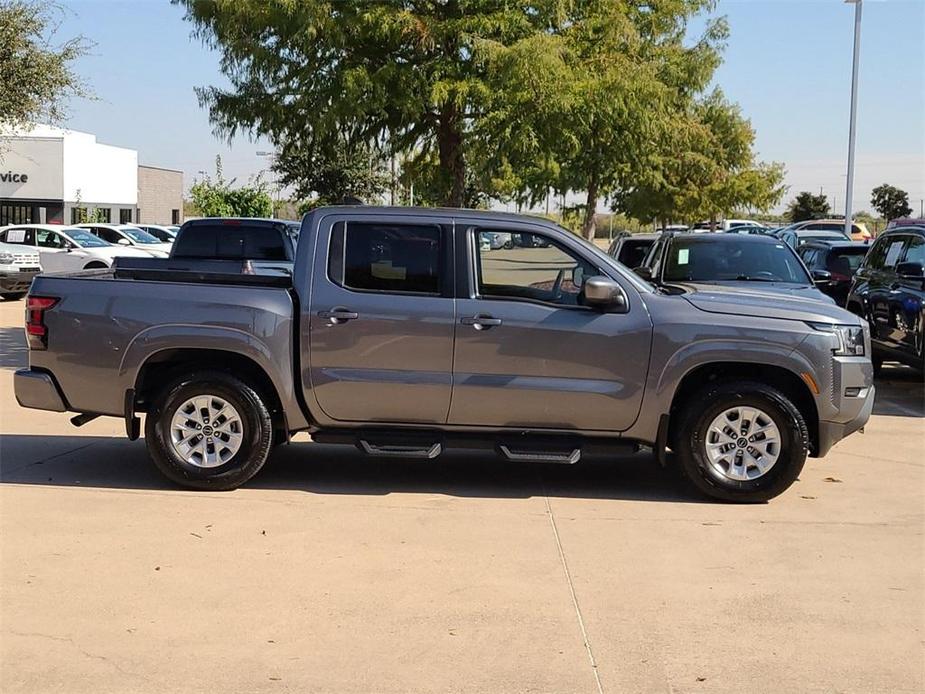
[[271, 156], [852, 128]]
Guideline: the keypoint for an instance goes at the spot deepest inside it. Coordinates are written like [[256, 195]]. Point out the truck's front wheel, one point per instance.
[[209, 430], [743, 441]]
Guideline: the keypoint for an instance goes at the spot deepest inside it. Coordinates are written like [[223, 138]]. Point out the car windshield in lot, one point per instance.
[[732, 258], [85, 239], [139, 235]]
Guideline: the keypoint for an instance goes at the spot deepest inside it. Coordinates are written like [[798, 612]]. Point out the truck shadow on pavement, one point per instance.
[[900, 392], [13, 351], [113, 463]]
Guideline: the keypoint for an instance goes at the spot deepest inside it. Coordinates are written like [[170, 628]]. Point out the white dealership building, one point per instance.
[[54, 176]]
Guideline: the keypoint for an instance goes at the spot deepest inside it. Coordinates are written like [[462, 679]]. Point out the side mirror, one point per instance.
[[603, 293], [911, 271], [822, 276], [644, 272], [123, 242]]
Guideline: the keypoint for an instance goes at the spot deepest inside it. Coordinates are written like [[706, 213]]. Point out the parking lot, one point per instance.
[[331, 572]]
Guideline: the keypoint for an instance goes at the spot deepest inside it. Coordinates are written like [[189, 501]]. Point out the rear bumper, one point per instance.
[[38, 390], [831, 433], [16, 281]]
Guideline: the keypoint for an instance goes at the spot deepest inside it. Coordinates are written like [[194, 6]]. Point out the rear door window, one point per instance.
[[915, 251], [392, 258]]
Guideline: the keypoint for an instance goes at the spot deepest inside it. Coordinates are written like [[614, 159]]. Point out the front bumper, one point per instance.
[[16, 281], [858, 412], [38, 390]]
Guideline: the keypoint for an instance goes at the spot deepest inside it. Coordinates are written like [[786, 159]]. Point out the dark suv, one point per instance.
[[889, 291], [833, 264]]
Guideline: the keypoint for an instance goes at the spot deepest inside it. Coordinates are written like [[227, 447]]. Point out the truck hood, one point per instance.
[[741, 301], [805, 291]]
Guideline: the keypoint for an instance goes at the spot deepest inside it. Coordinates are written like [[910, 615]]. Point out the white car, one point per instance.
[[163, 233], [64, 249], [129, 235]]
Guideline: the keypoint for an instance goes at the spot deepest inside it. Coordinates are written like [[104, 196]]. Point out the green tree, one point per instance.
[[890, 202], [705, 170], [36, 75], [327, 173], [808, 206], [215, 197]]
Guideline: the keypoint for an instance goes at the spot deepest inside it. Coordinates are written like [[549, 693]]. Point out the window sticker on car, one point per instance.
[[683, 256], [16, 236]]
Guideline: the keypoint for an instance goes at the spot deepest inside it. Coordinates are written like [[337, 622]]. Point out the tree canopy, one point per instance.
[[495, 98], [36, 75], [890, 202], [808, 206]]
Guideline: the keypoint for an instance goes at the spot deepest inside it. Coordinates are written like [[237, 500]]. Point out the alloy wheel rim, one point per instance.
[[206, 431], [742, 444]]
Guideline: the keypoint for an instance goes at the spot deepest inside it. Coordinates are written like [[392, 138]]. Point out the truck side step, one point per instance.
[[401, 450], [522, 455]]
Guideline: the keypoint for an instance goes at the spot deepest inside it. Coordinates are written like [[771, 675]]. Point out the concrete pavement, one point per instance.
[[334, 573]]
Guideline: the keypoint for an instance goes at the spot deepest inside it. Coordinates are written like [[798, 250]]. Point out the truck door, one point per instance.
[[381, 318], [528, 353]]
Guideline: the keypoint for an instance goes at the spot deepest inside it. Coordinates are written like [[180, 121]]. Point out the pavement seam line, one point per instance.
[[52, 457], [571, 588]]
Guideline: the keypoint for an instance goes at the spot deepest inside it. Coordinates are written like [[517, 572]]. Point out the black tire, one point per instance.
[[693, 427], [95, 266], [12, 296], [256, 424]]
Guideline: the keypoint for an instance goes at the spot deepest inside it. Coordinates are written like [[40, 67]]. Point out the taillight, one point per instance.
[[36, 330]]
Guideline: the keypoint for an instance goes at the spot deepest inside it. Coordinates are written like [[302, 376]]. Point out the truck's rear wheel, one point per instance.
[[209, 431], [742, 441]]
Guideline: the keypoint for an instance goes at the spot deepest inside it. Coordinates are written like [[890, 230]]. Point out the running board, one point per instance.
[[398, 450], [539, 456]]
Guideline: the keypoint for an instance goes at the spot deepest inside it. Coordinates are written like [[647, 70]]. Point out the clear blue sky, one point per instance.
[[787, 64]]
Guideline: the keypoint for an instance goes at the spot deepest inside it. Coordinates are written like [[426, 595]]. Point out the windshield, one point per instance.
[[85, 239], [139, 235], [729, 258]]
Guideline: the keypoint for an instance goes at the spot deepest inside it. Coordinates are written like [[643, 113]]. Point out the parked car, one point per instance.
[[859, 231], [129, 235], [266, 243], [906, 222], [751, 229], [841, 259], [65, 249], [797, 237], [497, 241], [397, 335], [682, 262], [631, 249], [889, 292], [724, 225], [17, 268], [161, 233]]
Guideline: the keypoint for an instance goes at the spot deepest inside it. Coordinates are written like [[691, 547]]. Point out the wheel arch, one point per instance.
[[785, 380]]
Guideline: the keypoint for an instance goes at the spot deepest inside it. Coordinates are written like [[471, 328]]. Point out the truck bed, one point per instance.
[[106, 326]]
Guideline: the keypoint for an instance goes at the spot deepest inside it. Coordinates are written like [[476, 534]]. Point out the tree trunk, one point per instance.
[[452, 163], [587, 227]]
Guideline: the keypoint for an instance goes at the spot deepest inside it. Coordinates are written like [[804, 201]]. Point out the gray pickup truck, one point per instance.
[[399, 331]]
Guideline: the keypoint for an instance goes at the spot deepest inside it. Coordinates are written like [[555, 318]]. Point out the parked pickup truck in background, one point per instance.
[[398, 332]]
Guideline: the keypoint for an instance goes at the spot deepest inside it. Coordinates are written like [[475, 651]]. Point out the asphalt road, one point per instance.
[[333, 573]]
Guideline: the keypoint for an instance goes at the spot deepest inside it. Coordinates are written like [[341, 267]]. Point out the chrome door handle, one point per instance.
[[481, 322], [338, 315]]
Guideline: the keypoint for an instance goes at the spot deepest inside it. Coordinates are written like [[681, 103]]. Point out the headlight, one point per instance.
[[848, 340], [6, 258]]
